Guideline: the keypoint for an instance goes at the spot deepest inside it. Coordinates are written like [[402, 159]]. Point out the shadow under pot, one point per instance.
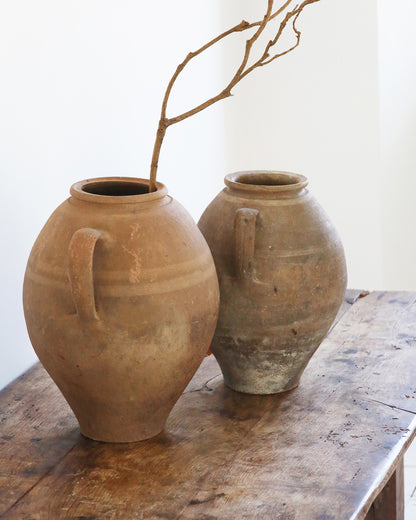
[[282, 276], [121, 302]]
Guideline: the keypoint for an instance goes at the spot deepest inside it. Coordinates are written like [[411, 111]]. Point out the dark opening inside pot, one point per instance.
[[267, 179], [117, 190]]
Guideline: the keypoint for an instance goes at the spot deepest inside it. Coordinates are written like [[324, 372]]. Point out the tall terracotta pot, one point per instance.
[[282, 276], [121, 302]]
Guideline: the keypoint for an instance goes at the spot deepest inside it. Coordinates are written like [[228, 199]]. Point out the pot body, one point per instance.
[[121, 302], [282, 275]]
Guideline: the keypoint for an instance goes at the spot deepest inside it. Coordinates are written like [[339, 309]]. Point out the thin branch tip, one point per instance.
[[242, 71]]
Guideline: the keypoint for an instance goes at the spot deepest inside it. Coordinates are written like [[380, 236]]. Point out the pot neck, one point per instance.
[[117, 191], [266, 183]]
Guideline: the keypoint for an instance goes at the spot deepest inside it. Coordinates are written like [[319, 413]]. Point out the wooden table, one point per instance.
[[330, 449]]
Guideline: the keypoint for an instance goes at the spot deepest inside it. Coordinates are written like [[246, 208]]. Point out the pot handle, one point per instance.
[[244, 239], [81, 275]]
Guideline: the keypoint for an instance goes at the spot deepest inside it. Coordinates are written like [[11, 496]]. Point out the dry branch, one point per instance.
[[241, 72]]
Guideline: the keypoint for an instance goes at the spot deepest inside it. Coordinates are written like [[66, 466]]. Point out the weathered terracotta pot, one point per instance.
[[282, 275], [121, 302]]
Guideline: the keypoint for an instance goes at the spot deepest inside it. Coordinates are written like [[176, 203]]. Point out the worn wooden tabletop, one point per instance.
[[322, 451]]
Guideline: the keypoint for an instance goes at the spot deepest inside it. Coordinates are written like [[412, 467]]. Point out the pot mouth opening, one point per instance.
[[265, 180], [116, 190]]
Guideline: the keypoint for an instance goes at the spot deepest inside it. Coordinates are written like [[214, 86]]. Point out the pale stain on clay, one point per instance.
[[136, 269], [134, 231]]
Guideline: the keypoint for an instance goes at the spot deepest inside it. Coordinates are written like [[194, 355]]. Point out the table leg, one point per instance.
[[389, 505]]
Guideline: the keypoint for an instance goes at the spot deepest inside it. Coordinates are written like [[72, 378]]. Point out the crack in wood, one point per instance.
[[196, 501], [356, 473], [204, 386], [391, 406], [50, 470]]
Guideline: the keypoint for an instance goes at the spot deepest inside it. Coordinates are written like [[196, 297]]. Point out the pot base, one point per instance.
[[259, 389], [125, 437]]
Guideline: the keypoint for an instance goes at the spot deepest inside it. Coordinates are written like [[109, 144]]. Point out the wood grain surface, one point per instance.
[[322, 451]]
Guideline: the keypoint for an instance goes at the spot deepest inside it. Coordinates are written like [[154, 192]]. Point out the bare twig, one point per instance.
[[241, 72], [265, 58]]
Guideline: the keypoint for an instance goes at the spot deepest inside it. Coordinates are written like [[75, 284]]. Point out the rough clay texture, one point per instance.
[[282, 275], [121, 301]]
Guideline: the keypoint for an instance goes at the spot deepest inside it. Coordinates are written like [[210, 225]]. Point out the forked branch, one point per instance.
[[242, 71]]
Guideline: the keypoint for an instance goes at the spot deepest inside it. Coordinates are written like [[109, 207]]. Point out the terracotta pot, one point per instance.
[[121, 302], [282, 275]]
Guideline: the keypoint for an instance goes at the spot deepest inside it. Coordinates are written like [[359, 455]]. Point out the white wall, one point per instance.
[[315, 112], [397, 47], [81, 85], [80, 89]]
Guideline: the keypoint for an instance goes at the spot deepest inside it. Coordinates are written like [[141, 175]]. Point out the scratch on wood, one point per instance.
[[195, 501], [204, 386], [391, 406], [38, 481]]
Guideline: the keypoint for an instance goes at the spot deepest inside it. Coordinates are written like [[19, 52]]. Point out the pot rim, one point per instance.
[[79, 190], [270, 181]]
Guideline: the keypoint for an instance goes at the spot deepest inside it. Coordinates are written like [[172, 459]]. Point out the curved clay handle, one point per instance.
[[81, 253], [244, 238]]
